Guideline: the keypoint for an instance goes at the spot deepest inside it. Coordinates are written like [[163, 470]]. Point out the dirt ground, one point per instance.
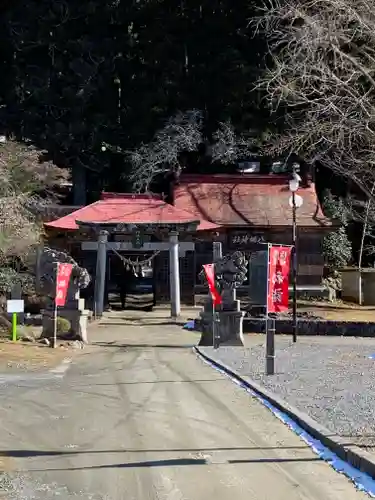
[[29, 355], [335, 311], [22, 356], [338, 311]]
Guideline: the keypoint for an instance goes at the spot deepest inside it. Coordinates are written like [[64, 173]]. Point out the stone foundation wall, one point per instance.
[[352, 280], [311, 327]]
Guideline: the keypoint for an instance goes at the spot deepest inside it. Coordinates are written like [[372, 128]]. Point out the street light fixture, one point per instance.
[[293, 185], [295, 201]]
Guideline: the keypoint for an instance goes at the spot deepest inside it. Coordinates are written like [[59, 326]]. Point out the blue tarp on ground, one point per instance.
[[190, 325]]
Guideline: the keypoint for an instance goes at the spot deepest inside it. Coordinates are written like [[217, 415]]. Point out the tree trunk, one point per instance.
[[4, 322]]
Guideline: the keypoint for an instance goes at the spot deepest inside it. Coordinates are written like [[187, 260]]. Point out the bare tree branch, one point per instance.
[[324, 77], [181, 133], [229, 146], [23, 177]]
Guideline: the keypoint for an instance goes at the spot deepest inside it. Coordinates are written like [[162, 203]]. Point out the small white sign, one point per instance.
[[298, 200], [15, 306]]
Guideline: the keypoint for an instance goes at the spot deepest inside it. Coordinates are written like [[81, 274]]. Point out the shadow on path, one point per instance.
[[179, 462], [55, 453], [141, 346]]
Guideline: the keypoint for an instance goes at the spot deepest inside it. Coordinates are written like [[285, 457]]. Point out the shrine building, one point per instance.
[[252, 209], [241, 211]]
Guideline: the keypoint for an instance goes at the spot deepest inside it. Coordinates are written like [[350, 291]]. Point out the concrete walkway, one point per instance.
[[139, 417]]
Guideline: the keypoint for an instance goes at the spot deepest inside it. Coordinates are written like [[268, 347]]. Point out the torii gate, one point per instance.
[[173, 245]]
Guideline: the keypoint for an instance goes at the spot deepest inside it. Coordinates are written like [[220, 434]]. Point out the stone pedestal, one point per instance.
[[75, 312], [206, 324], [231, 328], [230, 302], [231, 320], [230, 324]]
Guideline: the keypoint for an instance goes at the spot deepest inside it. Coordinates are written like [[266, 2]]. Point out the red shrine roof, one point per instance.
[[117, 208], [238, 200]]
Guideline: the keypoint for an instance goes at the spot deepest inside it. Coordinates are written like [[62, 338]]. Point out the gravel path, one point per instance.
[[330, 379]]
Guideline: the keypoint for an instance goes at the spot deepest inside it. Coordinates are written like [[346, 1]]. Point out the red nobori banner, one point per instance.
[[209, 269], [62, 282], [278, 279]]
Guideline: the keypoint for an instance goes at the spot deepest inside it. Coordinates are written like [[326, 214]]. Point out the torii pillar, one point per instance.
[[174, 275], [100, 275]]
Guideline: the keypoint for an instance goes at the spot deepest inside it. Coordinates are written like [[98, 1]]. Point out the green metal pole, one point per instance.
[[14, 327]]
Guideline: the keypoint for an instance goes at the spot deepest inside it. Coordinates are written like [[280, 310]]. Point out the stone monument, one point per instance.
[[74, 310], [230, 273]]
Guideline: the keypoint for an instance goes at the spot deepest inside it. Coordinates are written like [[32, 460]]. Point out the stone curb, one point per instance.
[[355, 456], [309, 327]]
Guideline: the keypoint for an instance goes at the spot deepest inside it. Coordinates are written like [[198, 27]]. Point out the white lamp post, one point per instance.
[[293, 184], [295, 201]]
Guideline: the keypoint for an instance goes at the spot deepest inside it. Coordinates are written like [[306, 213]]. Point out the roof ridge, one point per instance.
[[104, 195], [249, 179]]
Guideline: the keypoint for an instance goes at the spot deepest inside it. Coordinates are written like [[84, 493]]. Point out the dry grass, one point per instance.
[[334, 311], [28, 356], [338, 311]]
